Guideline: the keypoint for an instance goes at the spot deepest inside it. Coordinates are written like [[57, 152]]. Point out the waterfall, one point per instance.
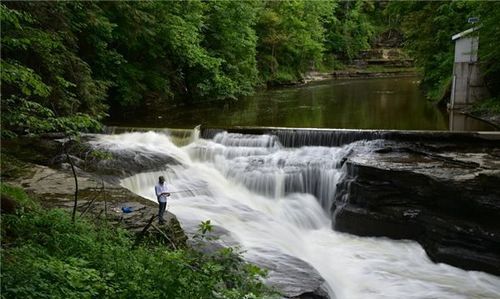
[[179, 137], [293, 137], [275, 201], [298, 137]]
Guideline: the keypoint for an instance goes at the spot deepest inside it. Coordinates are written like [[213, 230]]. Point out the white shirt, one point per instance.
[[159, 189]]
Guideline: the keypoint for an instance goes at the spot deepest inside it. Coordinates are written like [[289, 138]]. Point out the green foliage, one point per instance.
[[350, 30], [45, 255], [491, 105], [428, 27], [71, 57], [188, 50], [44, 81], [100, 155], [205, 227], [28, 82], [489, 43], [40, 41], [291, 36], [31, 118], [64, 63], [16, 193], [230, 36]]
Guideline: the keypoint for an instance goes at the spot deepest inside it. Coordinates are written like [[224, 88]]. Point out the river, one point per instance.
[[270, 200], [381, 103], [273, 201]]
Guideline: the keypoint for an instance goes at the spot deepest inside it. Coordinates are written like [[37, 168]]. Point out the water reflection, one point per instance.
[[461, 122], [385, 103]]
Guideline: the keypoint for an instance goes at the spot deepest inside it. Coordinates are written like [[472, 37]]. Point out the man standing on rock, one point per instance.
[[161, 195]]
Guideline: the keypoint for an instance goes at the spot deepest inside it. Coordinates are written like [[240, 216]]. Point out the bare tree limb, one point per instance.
[[144, 230], [70, 161], [165, 236]]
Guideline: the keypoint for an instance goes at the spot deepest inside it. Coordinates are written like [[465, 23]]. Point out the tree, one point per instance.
[[350, 30], [489, 45], [229, 35], [428, 27], [291, 36], [44, 81]]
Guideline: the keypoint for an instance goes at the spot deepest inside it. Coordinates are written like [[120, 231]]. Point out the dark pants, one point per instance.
[[161, 211]]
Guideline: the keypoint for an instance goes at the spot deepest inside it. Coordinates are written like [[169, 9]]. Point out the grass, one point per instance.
[[489, 106], [12, 168]]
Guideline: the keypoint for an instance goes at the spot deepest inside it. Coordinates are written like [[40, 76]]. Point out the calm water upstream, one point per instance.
[[385, 103]]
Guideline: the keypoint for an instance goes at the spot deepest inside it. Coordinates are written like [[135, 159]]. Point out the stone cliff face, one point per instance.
[[448, 201]]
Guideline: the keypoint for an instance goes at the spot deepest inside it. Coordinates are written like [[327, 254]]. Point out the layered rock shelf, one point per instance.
[[447, 200]]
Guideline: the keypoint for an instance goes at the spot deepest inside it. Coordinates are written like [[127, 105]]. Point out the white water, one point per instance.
[[254, 189]]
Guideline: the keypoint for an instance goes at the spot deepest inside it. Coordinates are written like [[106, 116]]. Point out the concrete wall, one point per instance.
[[468, 85], [466, 49], [462, 122]]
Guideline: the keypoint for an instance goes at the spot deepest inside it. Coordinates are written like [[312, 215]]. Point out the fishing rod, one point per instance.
[[188, 190]]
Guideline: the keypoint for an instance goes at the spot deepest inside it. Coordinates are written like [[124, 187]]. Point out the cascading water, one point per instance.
[[276, 201]]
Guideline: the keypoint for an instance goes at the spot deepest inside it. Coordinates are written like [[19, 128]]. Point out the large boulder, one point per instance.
[[293, 277]]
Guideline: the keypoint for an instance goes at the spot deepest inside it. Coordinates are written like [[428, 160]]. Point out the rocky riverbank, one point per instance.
[[45, 174], [380, 62], [98, 199], [354, 72]]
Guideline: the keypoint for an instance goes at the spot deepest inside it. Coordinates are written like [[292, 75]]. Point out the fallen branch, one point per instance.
[[143, 232], [165, 236]]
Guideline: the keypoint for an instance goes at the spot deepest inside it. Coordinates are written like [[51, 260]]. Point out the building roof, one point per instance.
[[464, 33]]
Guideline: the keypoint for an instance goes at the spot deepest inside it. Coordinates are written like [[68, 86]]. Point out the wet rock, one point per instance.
[[447, 201], [293, 277], [290, 276], [124, 163], [32, 149], [110, 164]]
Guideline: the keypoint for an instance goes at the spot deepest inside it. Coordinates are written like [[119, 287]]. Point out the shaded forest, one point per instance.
[[66, 64]]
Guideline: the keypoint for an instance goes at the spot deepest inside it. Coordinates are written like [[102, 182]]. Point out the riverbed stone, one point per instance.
[[290, 276], [293, 277]]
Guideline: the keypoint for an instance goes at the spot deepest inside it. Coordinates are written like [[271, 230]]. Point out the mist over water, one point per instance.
[[275, 201]]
